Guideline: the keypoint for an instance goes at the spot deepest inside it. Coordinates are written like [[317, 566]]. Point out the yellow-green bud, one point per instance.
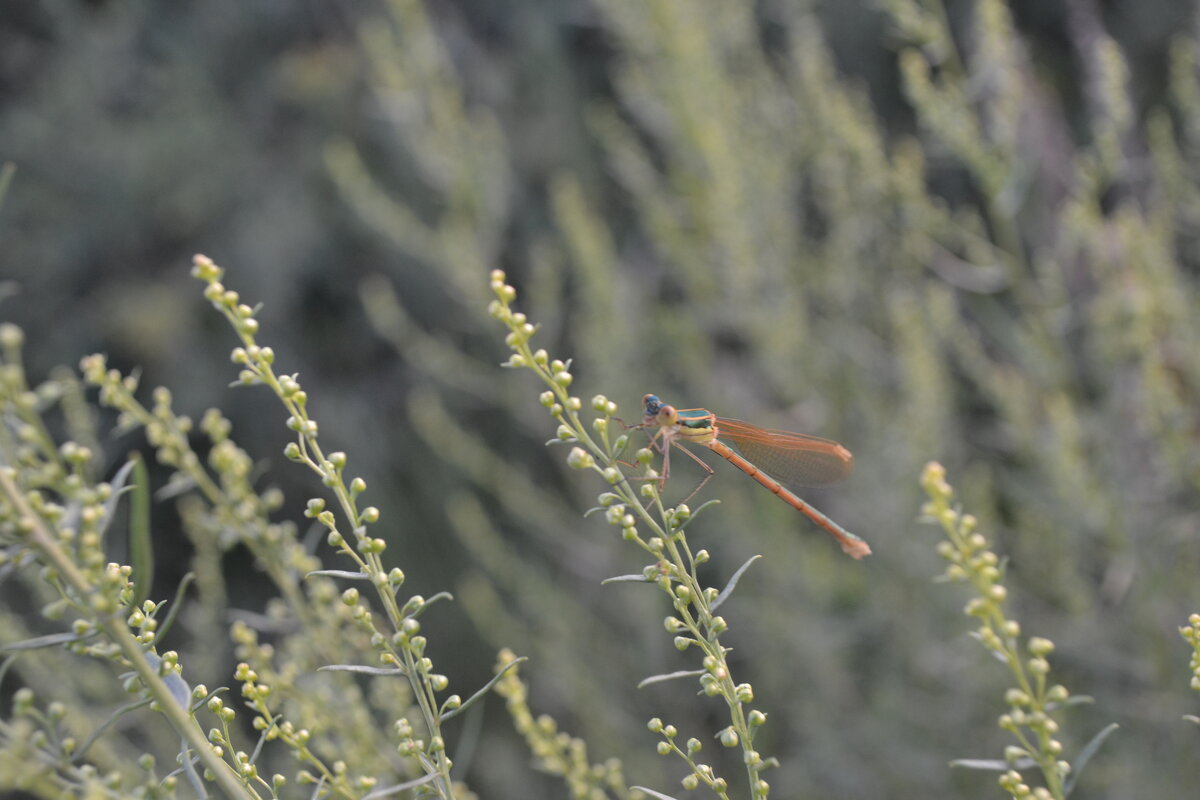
[[1039, 646], [580, 459]]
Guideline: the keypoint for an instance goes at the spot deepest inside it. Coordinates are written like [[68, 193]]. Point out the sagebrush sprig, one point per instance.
[[35, 450], [273, 727], [1034, 703], [239, 514], [556, 752], [674, 570], [39, 756], [62, 526], [230, 495], [700, 772], [403, 648]]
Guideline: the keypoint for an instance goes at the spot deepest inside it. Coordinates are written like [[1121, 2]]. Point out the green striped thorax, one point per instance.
[[696, 425]]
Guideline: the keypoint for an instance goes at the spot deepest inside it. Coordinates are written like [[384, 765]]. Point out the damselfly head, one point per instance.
[[657, 412]]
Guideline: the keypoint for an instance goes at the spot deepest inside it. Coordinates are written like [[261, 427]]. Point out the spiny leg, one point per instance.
[[666, 470], [663, 447], [703, 466], [631, 427]]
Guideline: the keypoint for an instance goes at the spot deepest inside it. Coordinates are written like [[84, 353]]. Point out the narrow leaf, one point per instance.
[[670, 676], [319, 789], [487, 687], [200, 701], [141, 550], [38, 642], [996, 654], [361, 668], [79, 752], [124, 425], [175, 487], [653, 793], [176, 603], [1085, 755], [696, 513], [992, 764], [189, 769], [387, 791], [118, 483], [118, 488], [262, 739], [261, 622], [470, 733], [339, 573], [6, 665], [729, 587], [635, 578], [430, 601]]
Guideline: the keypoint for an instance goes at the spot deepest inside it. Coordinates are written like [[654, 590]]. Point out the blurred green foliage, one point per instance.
[[966, 233]]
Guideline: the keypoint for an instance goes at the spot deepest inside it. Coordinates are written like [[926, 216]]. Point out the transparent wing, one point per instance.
[[793, 459]]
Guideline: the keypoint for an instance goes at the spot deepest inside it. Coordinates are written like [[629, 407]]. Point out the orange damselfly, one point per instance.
[[779, 460]]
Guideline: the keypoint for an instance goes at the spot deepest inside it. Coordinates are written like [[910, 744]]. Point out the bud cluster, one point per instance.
[[1032, 701]]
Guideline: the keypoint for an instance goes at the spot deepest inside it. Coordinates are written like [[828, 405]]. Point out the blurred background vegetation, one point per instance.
[[967, 233]]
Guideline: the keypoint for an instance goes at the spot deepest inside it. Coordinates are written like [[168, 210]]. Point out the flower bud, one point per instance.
[[580, 459]]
